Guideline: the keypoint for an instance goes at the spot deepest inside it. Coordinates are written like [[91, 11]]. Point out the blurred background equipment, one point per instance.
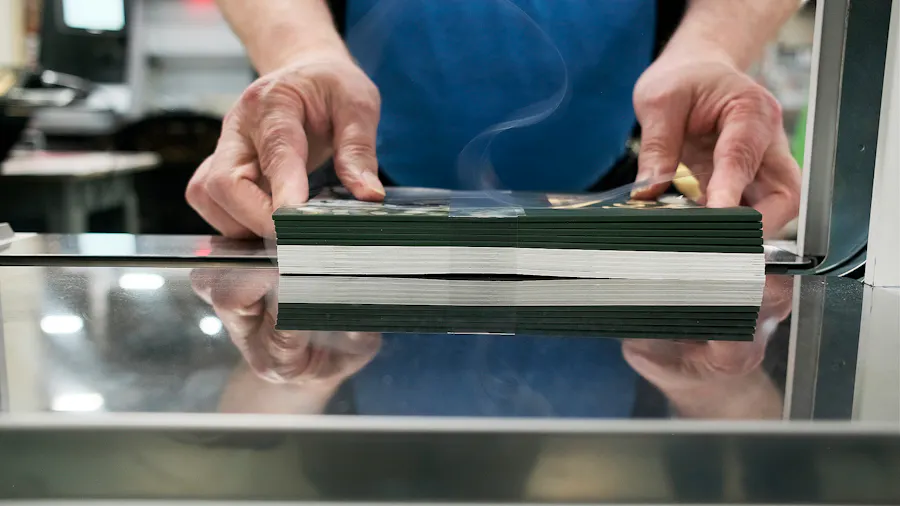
[[24, 93], [182, 139], [162, 74]]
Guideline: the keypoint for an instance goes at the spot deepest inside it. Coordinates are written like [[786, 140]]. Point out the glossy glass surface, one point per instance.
[[173, 384], [181, 340], [102, 249]]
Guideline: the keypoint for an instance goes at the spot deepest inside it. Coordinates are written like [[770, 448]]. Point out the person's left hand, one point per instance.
[[701, 110]]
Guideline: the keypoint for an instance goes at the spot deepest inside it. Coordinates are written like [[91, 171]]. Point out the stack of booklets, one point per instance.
[[665, 309], [433, 232]]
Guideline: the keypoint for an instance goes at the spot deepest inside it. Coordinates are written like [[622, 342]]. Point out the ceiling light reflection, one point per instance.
[[62, 324], [210, 325], [141, 281]]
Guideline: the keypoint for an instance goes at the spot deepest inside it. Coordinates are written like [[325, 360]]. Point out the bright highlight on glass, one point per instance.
[[81, 402], [210, 325], [61, 324], [141, 281]]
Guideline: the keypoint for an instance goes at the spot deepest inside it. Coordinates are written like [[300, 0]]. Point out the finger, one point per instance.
[[662, 136], [199, 198], [745, 137], [233, 185], [242, 291], [776, 193], [247, 334], [283, 148], [737, 358], [778, 297], [777, 209], [355, 162], [287, 354], [202, 281]]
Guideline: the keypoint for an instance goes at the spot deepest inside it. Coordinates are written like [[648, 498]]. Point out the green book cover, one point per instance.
[[509, 206]]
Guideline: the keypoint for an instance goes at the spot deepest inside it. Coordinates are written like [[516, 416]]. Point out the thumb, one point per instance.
[[662, 137], [355, 162]]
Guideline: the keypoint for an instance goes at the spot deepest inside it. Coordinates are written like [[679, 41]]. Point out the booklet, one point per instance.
[[433, 232]]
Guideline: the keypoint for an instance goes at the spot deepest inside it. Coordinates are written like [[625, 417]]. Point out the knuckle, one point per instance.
[[654, 146], [355, 151], [217, 185], [756, 101], [278, 148], [273, 93], [356, 155], [742, 158], [366, 102], [654, 97], [255, 93], [373, 95], [194, 192], [277, 127]]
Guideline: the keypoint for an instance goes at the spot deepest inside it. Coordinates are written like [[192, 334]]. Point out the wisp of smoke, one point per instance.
[[474, 166], [475, 170]]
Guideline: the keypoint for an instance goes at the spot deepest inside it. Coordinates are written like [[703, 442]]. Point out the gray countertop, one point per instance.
[[172, 382]]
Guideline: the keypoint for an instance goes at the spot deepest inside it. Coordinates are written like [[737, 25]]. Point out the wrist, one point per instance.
[[322, 43], [697, 48], [735, 30]]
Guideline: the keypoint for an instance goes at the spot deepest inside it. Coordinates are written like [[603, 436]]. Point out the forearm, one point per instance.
[[275, 31], [737, 29]]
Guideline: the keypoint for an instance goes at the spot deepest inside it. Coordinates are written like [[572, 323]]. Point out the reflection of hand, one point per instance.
[[717, 379], [704, 112], [283, 368]]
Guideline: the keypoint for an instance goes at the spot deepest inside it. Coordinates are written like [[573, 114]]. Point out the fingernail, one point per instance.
[[639, 190], [373, 183]]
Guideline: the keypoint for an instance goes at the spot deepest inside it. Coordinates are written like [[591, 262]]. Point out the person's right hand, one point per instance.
[[285, 125]]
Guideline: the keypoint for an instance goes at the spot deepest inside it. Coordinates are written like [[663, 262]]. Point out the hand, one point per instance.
[[285, 125], [243, 299], [718, 379], [704, 112]]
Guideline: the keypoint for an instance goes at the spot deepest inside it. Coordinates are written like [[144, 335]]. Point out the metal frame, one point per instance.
[[451, 461], [845, 105]]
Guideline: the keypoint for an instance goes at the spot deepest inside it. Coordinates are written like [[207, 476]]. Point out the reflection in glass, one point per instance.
[[62, 324], [166, 350], [210, 325], [141, 281]]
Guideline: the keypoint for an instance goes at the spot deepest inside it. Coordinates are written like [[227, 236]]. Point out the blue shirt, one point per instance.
[[535, 94]]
